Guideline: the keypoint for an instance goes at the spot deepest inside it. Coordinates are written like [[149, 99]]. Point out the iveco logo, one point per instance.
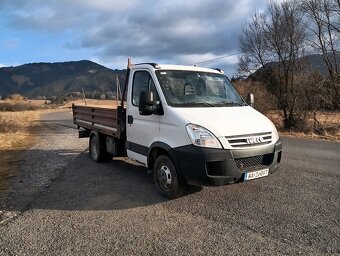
[[254, 140]]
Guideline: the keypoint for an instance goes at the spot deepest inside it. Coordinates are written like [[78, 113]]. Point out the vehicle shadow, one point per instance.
[[55, 124], [85, 185], [82, 185]]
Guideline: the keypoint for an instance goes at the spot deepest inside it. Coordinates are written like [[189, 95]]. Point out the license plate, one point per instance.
[[256, 174]]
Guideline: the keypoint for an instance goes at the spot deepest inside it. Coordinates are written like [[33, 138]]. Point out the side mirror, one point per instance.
[[250, 99], [148, 105]]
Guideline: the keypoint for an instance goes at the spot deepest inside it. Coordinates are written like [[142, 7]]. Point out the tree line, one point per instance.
[[275, 43]]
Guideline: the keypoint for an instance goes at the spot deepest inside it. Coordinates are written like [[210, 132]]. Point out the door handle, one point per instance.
[[130, 119]]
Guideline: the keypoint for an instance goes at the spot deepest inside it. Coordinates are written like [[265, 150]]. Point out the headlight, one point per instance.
[[275, 134], [201, 137]]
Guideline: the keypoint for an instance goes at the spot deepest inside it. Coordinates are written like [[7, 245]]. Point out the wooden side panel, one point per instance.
[[95, 118]]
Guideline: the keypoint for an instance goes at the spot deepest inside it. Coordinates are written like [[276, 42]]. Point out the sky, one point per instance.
[[109, 31]]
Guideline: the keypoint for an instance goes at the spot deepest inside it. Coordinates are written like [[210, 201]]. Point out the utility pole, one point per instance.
[[82, 89], [118, 90]]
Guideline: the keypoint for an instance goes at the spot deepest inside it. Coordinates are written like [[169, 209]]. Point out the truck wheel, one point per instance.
[[96, 149], [166, 178]]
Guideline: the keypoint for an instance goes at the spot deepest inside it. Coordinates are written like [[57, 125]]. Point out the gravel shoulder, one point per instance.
[[78, 207], [56, 146]]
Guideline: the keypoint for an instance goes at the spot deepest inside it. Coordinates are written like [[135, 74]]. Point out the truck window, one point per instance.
[[142, 81], [197, 89]]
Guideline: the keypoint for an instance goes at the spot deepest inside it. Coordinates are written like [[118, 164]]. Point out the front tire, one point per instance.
[[166, 178]]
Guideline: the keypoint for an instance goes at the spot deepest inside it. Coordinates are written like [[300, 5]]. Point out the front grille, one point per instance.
[[250, 140], [254, 162]]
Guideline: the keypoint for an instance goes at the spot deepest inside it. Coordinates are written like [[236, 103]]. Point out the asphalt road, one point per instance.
[[84, 208]]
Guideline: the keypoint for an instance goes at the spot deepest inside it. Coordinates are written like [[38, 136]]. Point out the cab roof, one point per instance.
[[175, 67]]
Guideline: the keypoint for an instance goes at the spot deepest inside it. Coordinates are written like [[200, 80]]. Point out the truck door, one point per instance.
[[142, 131]]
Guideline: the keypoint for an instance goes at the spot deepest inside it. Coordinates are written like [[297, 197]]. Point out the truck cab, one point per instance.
[[190, 126]]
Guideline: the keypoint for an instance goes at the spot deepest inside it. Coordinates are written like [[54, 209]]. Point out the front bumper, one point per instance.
[[214, 167]]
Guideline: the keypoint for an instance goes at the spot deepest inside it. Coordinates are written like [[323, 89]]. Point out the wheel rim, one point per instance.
[[164, 177], [94, 152]]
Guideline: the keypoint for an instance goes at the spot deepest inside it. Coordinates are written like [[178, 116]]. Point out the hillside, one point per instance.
[[314, 61], [56, 79]]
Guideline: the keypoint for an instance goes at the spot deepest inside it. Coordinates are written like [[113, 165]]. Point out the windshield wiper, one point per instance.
[[195, 103], [205, 103], [228, 103]]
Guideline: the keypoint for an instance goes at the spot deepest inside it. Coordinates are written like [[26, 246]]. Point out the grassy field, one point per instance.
[[16, 116], [16, 133], [329, 120], [15, 138], [17, 128], [15, 123], [14, 129]]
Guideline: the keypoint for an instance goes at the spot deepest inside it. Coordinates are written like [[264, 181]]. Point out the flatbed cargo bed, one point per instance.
[[98, 119]]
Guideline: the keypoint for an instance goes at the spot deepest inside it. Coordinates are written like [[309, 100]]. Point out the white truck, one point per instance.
[[186, 124]]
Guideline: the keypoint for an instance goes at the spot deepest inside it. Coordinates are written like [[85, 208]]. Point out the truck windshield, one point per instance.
[[197, 89]]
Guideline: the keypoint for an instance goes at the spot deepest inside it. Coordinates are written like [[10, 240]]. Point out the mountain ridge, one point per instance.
[[315, 62], [59, 78], [46, 79]]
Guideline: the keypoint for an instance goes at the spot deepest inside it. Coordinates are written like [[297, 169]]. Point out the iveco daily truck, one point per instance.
[[186, 124]]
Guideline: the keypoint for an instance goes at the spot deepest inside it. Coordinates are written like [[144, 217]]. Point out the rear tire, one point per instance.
[[97, 149], [166, 178]]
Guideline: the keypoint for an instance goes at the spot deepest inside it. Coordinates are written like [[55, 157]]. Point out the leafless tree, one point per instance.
[[275, 42], [253, 45], [323, 19]]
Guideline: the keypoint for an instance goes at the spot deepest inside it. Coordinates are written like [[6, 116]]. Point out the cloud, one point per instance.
[[168, 30], [174, 31], [9, 43]]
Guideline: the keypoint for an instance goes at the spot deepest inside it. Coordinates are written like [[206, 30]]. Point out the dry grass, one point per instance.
[[14, 139], [39, 102], [311, 136], [329, 120], [18, 104], [14, 129], [16, 97], [16, 116], [329, 117]]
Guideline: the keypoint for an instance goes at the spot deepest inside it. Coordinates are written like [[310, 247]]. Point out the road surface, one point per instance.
[[82, 208]]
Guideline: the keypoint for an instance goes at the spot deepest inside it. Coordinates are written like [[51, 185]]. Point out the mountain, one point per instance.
[[314, 61], [57, 79]]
